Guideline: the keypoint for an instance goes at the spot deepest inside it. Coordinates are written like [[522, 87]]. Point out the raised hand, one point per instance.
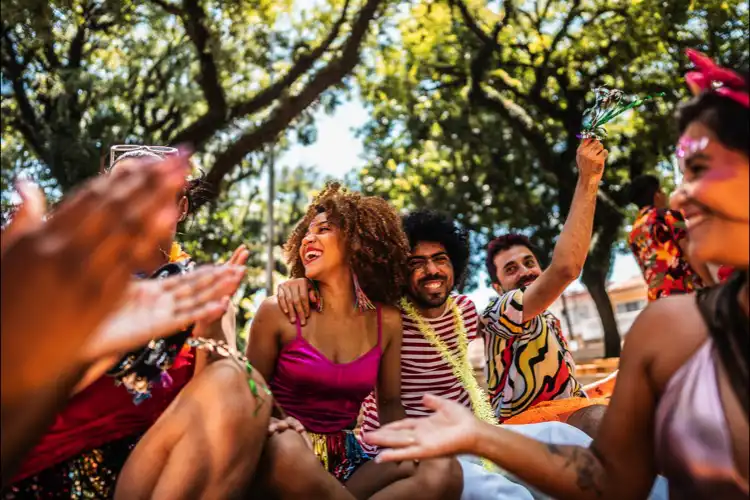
[[158, 308], [590, 158], [448, 431], [213, 327], [294, 298], [61, 278]]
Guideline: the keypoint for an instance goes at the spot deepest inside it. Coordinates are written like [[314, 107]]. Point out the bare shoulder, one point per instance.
[[269, 311], [664, 336], [391, 317]]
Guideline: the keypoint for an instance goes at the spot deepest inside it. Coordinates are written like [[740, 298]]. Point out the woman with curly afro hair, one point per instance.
[[353, 249]]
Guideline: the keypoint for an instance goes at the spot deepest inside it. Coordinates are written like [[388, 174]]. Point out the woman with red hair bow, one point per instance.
[[680, 406]]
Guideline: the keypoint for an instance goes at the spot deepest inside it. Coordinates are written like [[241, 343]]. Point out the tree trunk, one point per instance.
[[596, 284], [607, 223]]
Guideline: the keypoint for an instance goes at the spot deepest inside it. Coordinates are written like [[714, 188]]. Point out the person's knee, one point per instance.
[[227, 395], [588, 419], [236, 422], [441, 477], [291, 467]]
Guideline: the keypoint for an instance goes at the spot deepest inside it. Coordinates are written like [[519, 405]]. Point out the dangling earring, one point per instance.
[[361, 301], [319, 303]]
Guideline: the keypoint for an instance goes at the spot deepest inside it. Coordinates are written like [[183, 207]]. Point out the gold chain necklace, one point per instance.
[[459, 364]]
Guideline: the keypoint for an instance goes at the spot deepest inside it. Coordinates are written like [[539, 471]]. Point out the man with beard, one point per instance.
[[528, 361], [438, 325]]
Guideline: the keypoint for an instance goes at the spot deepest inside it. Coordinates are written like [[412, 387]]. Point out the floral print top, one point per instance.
[[655, 242]]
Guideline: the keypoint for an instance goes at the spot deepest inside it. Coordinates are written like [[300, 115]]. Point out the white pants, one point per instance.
[[481, 484]]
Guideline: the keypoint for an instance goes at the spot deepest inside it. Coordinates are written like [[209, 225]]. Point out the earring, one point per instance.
[[361, 301], [319, 304]]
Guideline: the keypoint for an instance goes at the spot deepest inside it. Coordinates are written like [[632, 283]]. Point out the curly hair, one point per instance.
[[437, 227], [376, 246]]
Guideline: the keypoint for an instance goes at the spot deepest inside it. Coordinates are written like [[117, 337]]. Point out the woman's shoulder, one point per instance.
[[391, 318], [390, 313], [666, 334], [269, 309]]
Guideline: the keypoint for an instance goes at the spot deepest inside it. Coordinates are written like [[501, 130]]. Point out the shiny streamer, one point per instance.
[[609, 105]]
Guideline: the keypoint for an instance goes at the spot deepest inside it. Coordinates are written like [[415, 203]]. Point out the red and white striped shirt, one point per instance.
[[423, 369]]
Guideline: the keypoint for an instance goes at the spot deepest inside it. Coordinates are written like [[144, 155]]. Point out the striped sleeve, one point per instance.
[[504, 315], [470, 316]]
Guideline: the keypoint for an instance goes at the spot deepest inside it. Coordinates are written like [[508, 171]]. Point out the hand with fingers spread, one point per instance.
[[451, 430], [279, 425], [158, 308], [75, 267], [294, 298], [154, 309], [590, 158]]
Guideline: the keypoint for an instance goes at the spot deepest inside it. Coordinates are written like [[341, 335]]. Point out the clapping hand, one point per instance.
[[62, 278]]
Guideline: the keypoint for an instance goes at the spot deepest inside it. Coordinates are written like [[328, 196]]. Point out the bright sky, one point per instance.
[[337, 151]]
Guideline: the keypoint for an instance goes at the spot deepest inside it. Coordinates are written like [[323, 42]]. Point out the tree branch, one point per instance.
[[203, 128], [479, 96], [28, 122], [303, 64], [209, 78], [168, 7], [290, 108]]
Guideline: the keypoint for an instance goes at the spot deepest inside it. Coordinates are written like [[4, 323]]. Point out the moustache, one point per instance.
[[713, 212], [526, 280]]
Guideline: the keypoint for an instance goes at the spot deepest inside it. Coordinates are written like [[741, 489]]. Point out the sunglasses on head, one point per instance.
[[121, 151]]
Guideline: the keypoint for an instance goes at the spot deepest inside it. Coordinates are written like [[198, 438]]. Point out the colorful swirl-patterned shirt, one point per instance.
[[527, 363], [655, 242]]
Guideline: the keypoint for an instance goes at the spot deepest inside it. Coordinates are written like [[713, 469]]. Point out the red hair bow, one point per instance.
[[711, 76]]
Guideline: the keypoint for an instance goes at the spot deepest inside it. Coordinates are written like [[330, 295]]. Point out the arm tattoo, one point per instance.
[[588, 467]]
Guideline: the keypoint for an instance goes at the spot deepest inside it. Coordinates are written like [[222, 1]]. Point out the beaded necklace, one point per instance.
[[459, 363]]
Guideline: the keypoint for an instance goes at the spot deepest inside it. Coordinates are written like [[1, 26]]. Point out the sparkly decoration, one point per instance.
[[223, 349], [139, 370], [339, 453], [361, 301], [316, 289], [688, 147], [459, 364], [609, 105], [91, 475]]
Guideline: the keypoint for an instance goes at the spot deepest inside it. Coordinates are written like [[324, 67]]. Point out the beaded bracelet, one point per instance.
[[223, 349]]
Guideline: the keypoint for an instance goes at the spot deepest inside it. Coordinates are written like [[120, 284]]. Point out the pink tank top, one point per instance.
[[324, 396]]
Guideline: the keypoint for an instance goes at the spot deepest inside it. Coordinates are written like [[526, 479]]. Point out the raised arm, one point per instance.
[[573, 244], [389, 375]]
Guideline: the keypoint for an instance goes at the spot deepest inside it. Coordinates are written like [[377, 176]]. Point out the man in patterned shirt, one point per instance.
[[528, 361], [658, 241], [439, 258]]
